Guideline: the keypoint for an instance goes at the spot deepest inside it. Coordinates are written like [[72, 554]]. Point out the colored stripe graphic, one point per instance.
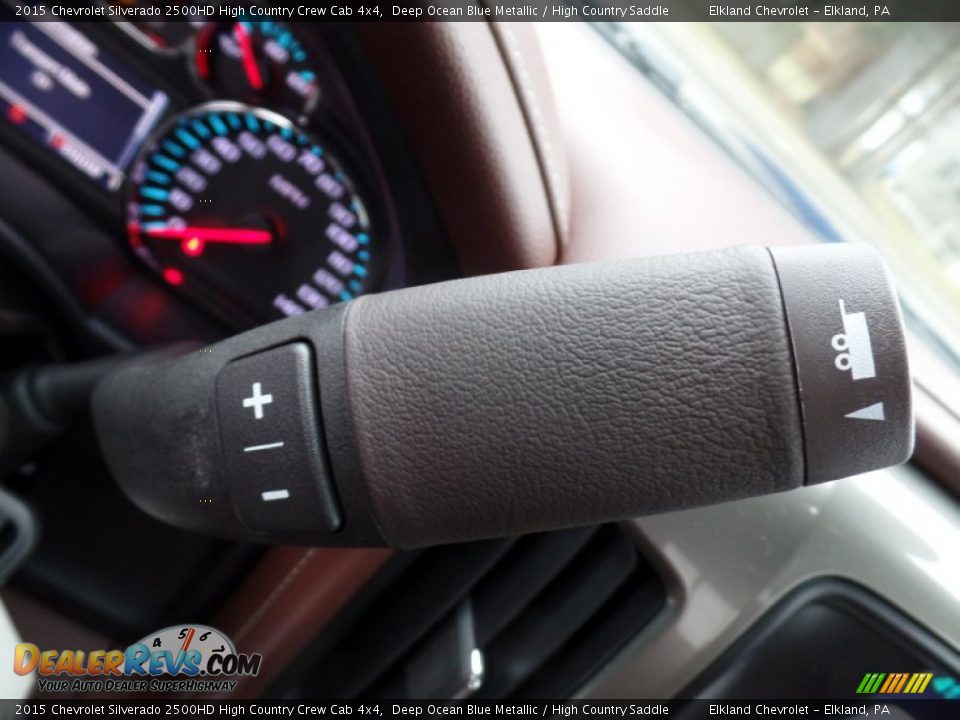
[[870, 683], [899, 686], [919, 683], [875, 685], [894, 683]]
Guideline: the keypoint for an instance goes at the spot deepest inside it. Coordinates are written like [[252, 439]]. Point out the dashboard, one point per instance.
[[210, 175]]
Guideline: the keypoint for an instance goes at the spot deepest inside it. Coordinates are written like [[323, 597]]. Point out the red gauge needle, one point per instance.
[[233, 236], [250, 66]]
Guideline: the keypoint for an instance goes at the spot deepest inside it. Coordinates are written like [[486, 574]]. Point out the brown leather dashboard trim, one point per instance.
[[644, 179], [287, 600], [474, 104], [937, 452], [520, 48]]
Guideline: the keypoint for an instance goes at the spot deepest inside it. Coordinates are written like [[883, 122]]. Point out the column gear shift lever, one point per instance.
[[523, 402]]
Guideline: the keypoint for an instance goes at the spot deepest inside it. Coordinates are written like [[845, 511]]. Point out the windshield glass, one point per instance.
[[854, 126]]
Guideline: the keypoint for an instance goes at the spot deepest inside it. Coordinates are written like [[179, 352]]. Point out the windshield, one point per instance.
[[854, 126]]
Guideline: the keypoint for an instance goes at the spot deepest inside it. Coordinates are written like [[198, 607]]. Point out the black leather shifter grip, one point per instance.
[[526, 401]]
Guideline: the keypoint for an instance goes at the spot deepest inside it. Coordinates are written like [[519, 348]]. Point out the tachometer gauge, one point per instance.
[[238, 205], [259, 62]]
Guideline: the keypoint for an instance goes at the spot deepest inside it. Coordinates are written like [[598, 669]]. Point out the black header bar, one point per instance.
[[506, 10]]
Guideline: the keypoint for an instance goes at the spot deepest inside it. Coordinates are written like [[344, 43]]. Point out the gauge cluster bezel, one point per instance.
[[365, 140]]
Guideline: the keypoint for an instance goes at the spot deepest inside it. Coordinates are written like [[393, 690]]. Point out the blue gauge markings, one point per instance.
[[155, 193], [187, 139], [165, 162], [174, 149], [200, 129], [218, 125]]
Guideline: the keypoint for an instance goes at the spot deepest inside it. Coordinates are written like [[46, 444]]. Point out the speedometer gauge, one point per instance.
[[242, 208]]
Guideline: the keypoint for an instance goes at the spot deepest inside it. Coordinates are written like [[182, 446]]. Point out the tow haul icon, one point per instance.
[[853, 345]]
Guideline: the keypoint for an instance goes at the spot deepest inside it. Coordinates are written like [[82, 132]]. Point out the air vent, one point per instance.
[[534, 616]]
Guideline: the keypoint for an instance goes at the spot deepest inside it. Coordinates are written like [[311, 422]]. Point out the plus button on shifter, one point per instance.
[[257, 401]]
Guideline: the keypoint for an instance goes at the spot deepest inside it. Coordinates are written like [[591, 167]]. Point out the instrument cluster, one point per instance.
[[226, 149]]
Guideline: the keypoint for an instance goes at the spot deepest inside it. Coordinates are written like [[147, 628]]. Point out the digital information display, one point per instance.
[[75, 98]]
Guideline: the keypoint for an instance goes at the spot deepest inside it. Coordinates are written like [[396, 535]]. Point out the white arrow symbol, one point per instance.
[[871, 412]]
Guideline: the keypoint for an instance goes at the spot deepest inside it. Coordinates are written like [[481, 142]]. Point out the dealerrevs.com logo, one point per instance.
[[179, 658]]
